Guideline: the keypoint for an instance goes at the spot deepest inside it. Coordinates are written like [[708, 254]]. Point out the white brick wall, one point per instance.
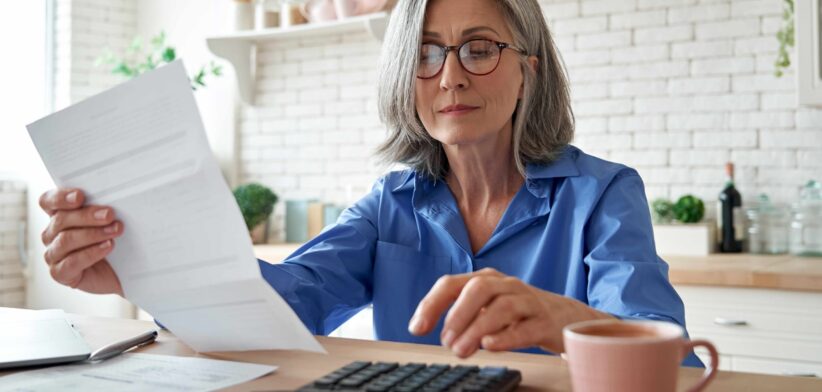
[[698, 78], [314, 126], [674, 88], [83, 29], [12, 217]]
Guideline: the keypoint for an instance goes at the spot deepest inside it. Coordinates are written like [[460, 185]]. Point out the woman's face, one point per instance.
[[487, 101]]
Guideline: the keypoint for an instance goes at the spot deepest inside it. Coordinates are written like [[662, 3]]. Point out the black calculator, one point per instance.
[[395, 377]]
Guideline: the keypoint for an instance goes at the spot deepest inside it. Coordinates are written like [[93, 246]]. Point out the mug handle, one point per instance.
[[711, 371]]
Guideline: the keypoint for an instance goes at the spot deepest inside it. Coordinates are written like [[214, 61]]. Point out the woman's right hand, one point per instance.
[[78, 239]]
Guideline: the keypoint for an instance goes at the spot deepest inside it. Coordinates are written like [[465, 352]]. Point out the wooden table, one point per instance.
[[540, 372], [781, 272]]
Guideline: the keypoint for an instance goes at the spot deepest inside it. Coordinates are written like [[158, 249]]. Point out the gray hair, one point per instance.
[[543, 119]]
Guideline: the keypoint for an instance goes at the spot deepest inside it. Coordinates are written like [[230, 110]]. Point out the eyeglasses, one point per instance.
[[477, 57]]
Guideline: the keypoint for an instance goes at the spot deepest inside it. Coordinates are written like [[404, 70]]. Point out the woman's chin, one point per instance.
[[461, 138]]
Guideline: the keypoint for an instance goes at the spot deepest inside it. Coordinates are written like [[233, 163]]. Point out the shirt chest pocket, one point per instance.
[[403, 275]]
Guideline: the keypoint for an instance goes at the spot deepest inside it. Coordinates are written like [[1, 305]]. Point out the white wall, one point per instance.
[[314, 124], [22, 100], [674, 88]]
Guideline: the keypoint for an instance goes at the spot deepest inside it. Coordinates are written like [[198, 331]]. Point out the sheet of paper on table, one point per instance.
[[137, 372], [185, 255]]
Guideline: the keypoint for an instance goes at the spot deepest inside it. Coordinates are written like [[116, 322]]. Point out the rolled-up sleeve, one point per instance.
[[626, 277], [329, 279]]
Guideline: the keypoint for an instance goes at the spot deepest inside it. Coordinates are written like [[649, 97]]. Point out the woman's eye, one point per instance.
[[429, 54], [429, 58]]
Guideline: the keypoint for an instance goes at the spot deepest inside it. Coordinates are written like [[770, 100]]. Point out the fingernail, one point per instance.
[[415, 325], [448, 338], [461, 348], [105, 244], [110, 229], [101, 214], [71, 197], [488, 341]]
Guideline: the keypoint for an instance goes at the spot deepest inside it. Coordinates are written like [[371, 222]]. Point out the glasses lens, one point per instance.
[[431, 58], [479, 56]]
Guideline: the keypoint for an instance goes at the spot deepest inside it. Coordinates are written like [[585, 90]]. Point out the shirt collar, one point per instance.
[[406, 182], [563, 166]]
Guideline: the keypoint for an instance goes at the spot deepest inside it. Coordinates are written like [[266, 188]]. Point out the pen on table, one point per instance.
[[120, 347]]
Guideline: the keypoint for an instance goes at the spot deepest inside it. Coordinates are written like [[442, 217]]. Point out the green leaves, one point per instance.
[[662, 210], [785, 36], [256, 203], [169, 55], [197, 79], [688, 209], [124, 69], [212, 69], [159, 40], [139, 58], [216, 70]]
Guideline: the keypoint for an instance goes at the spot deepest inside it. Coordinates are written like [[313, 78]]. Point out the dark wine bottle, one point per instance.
[[729, 215]]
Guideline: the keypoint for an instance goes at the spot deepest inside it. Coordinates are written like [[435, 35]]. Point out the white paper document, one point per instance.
[[185, 255], [137, 372]]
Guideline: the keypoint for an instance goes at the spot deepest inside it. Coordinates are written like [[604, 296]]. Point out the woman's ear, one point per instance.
[[533, 62]]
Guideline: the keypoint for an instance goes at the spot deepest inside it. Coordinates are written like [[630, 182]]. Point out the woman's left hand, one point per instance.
[[498, 313]]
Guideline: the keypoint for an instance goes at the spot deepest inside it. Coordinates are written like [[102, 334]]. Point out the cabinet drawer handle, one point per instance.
[[800, 374], [730, 322]]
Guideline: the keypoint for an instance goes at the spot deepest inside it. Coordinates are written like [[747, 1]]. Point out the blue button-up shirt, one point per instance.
[[579, 227]]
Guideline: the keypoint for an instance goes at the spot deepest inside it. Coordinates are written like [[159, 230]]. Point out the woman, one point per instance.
[[498, 217]]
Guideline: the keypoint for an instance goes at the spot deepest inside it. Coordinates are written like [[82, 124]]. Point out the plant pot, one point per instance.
[[685, 239], [259, 234]]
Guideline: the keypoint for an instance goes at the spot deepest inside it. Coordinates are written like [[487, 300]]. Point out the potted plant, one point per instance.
[[140, 58], [256, 203], [678, 227]]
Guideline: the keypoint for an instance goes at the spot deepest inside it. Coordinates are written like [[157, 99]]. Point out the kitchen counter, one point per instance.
[[727, 270], [782, 272]]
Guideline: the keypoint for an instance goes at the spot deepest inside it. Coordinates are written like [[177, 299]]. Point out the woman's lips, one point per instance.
[[458, 110]]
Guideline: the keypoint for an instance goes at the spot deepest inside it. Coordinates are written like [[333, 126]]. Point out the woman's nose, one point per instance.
[[453, 76]]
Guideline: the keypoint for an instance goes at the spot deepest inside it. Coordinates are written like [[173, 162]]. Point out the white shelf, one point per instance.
[[238, 48]]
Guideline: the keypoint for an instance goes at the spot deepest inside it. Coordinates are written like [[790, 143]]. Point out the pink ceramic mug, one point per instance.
[[635, 356]]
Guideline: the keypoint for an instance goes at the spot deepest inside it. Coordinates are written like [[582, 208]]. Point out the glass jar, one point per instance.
[[290, 13], [767, 228], [806, 223], [267, 14], [243, 15]]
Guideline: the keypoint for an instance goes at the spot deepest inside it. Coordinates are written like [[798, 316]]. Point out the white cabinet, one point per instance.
[[758, 330]]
